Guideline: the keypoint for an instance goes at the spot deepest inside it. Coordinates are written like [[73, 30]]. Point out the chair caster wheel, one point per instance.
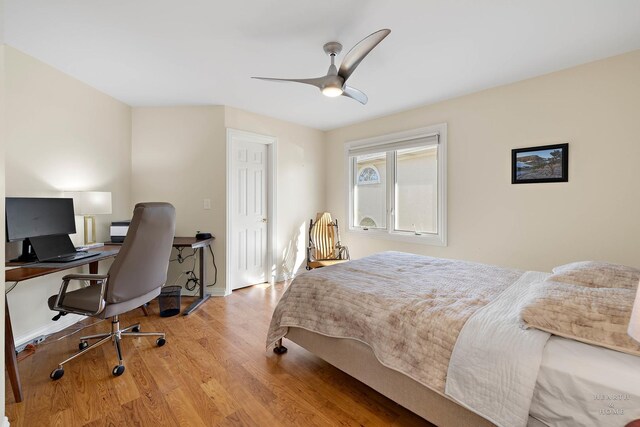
[[118, 370], [83, 345], [160, 342], [280, 349], [56, 374], [135, 329]]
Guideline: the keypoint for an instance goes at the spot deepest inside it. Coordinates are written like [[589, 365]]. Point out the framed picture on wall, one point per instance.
[[546, 163]]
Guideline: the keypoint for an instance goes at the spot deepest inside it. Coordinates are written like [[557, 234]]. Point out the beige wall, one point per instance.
[[301, 170], [61, 135], [595, 107], [179, 156], [2, 184]]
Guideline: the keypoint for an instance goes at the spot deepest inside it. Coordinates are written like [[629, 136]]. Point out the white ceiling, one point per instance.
[[202, 52]]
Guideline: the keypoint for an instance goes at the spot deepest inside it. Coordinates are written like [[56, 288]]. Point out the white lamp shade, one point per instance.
[[634, 323], [90, 202]]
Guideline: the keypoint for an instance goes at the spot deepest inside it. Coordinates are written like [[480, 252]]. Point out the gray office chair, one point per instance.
[[135, 278]]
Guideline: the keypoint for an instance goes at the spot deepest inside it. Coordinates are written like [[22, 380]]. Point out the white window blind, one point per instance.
[[371, 148]]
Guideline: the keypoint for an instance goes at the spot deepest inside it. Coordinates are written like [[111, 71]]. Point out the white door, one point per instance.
[[248, 255]]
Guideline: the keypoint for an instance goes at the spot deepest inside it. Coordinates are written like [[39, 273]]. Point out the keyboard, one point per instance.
[[72, 257]]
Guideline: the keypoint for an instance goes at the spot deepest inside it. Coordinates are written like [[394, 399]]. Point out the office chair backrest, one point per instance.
[[323, 237], [142, 263]]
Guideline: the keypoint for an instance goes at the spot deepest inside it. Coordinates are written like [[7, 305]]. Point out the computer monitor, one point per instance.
[[31, 217]]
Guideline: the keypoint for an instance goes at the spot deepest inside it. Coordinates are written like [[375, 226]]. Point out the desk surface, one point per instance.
[[183, 242], [24, 272], [191, 242]]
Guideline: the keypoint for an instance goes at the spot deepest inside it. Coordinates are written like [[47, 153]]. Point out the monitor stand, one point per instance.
[[28, 255]]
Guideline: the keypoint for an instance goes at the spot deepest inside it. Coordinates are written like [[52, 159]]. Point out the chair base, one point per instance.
[[115, 336]]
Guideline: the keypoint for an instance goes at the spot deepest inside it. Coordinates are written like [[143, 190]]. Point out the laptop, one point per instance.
[[58, 248]]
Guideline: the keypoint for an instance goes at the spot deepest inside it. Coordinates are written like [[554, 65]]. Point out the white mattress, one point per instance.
[[584, 385]]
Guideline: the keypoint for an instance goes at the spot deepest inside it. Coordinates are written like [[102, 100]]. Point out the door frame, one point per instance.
[[272, 155]]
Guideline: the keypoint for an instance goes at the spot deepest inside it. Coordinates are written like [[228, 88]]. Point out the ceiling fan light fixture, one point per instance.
[[332, 91], [334, 83]]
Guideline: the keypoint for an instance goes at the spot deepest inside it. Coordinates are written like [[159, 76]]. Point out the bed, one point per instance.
[[443, 338]]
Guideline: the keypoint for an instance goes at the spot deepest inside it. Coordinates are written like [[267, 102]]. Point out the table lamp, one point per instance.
[[634, 323], [88, 204]]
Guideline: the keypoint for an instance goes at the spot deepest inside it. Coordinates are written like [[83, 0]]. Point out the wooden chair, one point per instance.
[[324, 243]]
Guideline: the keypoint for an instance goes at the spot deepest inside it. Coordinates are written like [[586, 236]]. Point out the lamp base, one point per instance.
[[89, 229]]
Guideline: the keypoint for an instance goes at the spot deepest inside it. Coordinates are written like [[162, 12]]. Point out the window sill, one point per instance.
[[424, 239]]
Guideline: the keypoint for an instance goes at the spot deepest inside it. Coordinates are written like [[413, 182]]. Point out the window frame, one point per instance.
[[436, 239]]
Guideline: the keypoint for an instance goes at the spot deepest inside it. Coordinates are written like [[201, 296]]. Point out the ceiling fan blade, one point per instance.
[[359, 51], [353, 93], [317, 82]]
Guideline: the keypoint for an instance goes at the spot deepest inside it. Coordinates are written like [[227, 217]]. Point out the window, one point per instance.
[[368, 222], [397, 185], [368, 175], [370, 199]]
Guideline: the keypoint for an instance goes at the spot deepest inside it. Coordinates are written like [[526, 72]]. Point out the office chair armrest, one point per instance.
[[100, 279]]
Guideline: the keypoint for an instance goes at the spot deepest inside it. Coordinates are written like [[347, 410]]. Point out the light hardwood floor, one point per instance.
[[214, 370]]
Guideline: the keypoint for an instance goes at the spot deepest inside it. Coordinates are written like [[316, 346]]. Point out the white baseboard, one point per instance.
[[53, 327], [214, 292], [6, 422], [218, 292]]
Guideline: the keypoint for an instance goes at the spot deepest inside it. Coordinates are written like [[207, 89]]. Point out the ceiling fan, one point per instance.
[[334, 83]]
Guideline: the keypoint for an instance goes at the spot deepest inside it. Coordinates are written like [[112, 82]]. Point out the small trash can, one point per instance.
[[169, 301]]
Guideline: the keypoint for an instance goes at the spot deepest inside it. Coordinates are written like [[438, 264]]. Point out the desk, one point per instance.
[[24, 272]]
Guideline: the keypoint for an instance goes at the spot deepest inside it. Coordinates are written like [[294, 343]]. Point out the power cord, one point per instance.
[[191, 276], [11, 288], [181, 258], [193, 281], [215, 268]]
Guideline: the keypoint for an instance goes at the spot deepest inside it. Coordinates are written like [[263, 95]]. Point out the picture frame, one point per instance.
[[544, 163]]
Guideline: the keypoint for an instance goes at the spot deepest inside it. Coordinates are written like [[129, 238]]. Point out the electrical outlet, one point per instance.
[[34, 341], [206, 204]]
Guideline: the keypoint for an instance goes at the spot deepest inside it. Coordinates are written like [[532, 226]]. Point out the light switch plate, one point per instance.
[[206, 204]]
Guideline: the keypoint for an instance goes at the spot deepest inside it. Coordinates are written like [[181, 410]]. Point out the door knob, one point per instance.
[[264, 219]]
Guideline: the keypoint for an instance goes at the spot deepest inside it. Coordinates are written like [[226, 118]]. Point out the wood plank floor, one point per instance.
[[214, 370]]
